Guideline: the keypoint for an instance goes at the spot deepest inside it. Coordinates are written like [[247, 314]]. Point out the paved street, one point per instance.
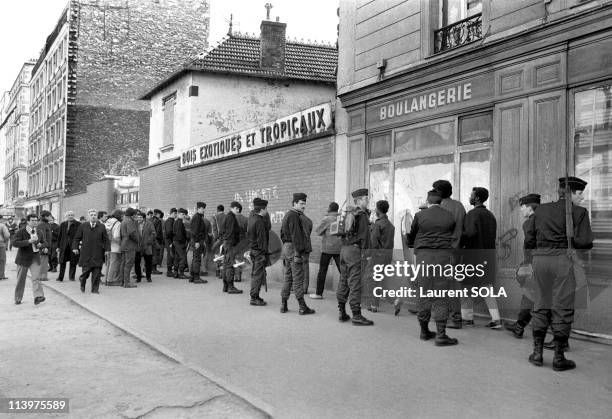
[[294, 366]]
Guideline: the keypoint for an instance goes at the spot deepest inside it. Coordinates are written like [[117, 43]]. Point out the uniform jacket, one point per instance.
[[529, 243], [547, 227], [458, 211], [330, 244], [217, 221], [65, 239], [432, 228], [360, 235], [159, 235], [307, 224], [169, 230], [113, 226], [479, 229], [258, 233], [243, 223], [199, 229], [292, 231], [129, 234], [147, 238], [230, 233], [25, 252], [94, 242], [179, 232]]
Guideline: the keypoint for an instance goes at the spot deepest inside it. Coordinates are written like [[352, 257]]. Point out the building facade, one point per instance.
[[506, 95], [86, 121], [15, 146], [267, 132], [4, 100]]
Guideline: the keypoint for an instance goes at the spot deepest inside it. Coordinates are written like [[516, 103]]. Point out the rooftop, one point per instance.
[[239, 54]]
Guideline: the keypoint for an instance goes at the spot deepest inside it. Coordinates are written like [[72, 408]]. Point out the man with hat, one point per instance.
[[168, 241], [179, 243], [382, 233], [258, 234], [230, 235], [553, 267], [356, 241], [199, 236], [294, 240], [431, 235], [158, 249], [528, 204]]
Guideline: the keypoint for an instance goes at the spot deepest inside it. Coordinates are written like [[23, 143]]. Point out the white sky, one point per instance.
[[25, 24]]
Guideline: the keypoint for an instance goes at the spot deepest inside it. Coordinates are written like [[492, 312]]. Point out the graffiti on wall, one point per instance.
[[504, 243], [268, 193]]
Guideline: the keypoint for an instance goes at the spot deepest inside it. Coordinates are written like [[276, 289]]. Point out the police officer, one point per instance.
[[199, 236], [528, 204], [357, 240], [258, 234], [381, 233], [169, 239], [553, 268], [216, 222], [179, 244], [230, 235], [431, 235], [294, 239]]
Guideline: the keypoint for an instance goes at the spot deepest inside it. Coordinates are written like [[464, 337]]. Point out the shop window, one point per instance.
[[424, 138], [379, 145], [593, 163], [379, 184], [476, 128], [474, 169]]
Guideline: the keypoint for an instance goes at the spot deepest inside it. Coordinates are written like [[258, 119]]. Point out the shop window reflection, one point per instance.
[[593, 163], [424, 138], [413, 178]]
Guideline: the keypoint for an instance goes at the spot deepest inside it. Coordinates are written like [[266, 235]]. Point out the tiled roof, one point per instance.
[[239, 54]]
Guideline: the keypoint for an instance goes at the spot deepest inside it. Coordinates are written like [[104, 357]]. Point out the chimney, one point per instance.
[[272, 45]]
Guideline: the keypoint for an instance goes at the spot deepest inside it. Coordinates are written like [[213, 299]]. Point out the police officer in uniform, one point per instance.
[[528, 204], [553, 269], [351, 262], [179, 244], [258, 234], [199, 236], [169, 240], [431, 235], [231, 237], [294, 241]]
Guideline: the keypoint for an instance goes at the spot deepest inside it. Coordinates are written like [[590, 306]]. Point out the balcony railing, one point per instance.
[[459, 33]]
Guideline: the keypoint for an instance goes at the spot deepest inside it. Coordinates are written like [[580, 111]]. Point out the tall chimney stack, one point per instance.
[[272, 45]]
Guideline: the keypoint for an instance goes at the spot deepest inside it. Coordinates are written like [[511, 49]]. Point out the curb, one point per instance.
[[266, 409]]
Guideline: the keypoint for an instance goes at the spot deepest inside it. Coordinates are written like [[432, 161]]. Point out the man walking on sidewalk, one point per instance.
[[92, 240], [28, 258], [67, 232], [44, 233], [330, 248], [199, 235], [129, 246], [258, 233], [294, 239]]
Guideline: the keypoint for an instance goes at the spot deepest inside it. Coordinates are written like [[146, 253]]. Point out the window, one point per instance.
[[428, 137], [133, 197], [593, 163], [168, 104], [379, 145], [476, 128], [460, 22]]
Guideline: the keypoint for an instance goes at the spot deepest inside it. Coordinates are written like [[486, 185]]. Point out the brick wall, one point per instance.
[[273, 174], [118, 49], [99, 196]]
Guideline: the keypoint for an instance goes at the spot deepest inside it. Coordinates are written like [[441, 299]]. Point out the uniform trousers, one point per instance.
[[258, 274], [22, 274], [169, 256], [293, 270], [180, 257], [196, 261], [349, 286], [439, 305], [555, 294]]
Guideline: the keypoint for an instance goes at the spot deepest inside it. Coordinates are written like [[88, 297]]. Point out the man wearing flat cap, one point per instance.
[[294, 241], [258, 234], [357, 240], [553, 267], [179, 243], [230, 236], [528, 204], [199, 235], [431, 236]]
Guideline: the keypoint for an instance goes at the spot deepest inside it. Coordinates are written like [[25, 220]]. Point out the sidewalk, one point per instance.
[[57, 349], [313, 366]]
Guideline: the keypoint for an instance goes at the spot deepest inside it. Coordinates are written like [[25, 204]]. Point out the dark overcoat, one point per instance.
[[94, 243], [65, 239]]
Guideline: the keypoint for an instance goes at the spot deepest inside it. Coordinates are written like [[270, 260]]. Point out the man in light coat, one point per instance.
[[129, 246], [113, 229]]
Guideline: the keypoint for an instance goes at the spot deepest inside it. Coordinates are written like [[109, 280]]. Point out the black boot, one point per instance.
[[442, 338], [343, 316], [231, 289], [283, 308], [538, 346], [559, 361], [426, 334], [517, 329], [224, 285], [359, 320], [304, 309], [238, 275], [551, 345]]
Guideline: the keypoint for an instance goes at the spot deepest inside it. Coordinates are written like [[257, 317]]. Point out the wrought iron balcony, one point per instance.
[[459, 33]]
